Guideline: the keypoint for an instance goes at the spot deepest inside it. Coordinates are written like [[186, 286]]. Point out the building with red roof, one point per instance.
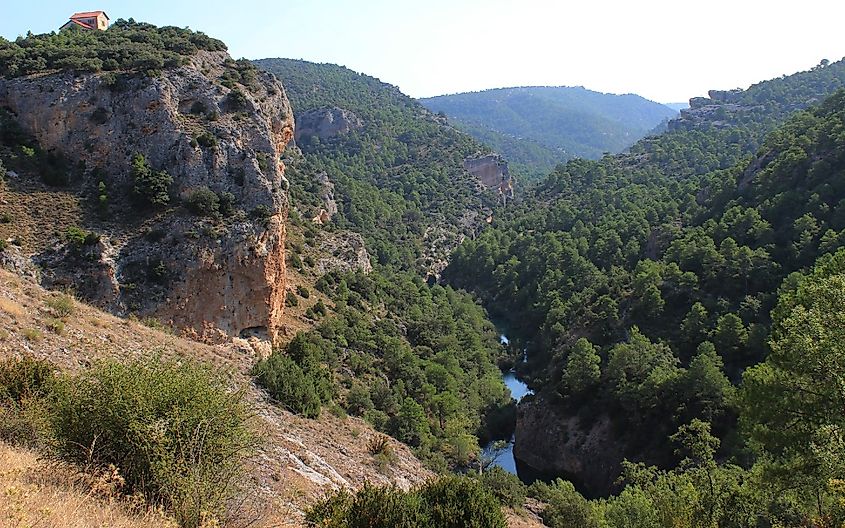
[[98, 20]]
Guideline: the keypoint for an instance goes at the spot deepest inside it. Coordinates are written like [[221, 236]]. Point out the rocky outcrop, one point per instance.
[[343, 251], [227, 276], [586, 451], [492, 170], [721, 109], [325, 123], [324, 216]]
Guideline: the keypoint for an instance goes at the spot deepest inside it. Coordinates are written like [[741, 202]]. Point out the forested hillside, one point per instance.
[[645, 284], [398, 177], [418, 362], [538, 127]]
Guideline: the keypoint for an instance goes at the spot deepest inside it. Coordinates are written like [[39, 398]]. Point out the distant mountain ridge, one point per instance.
[[537, 127]]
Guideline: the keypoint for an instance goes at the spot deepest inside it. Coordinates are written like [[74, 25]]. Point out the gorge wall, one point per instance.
[[206, 131]]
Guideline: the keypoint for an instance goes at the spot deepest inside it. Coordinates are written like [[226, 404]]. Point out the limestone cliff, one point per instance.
[[206, 131], [325, 123], [492, 170], [586, 451]]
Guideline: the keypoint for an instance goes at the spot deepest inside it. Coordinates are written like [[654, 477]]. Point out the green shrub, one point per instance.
[[301, 389], [317, 311], [290, 299], [449, 502], [175, 431], [295, 261], [207, 139], [102, 200], [358, 400], [302, 291], [261, 212], [25, 423], [565, 507], [25, 378], [460, 502], [33, 335], [150, 188], [203, 202], [370, 507], [237, 100], [227, 203], [505, 486], [263, 162], [24, 382], [61, 305], [78, 237], [57, 326]]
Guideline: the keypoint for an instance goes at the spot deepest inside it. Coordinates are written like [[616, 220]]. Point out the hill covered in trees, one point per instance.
[[538, 127], [646, 284], [419, 362], [397, 172]]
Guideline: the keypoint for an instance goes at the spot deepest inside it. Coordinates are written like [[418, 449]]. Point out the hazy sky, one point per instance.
[[668, 51]]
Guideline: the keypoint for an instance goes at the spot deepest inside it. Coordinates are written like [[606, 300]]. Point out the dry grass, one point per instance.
[[33, 335], [38, 214], [12, 308], [35, 493]]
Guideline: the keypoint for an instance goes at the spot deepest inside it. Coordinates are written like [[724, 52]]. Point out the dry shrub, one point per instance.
[[56, 495]]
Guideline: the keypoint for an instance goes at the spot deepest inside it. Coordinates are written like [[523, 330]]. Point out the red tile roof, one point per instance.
[[80, 23], [88, 14]]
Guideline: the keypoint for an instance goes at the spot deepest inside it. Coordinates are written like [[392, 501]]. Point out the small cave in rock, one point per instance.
[[259, 332]]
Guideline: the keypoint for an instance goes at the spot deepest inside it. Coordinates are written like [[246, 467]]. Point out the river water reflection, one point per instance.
[[504, 457]]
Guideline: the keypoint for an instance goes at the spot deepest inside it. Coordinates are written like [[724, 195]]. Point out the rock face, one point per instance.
[[492, 170], [324, 216], [325, 123], [202, 275], [721, 109], [588, 454]]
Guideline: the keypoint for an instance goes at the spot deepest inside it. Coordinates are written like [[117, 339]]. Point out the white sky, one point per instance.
[[666, 51]]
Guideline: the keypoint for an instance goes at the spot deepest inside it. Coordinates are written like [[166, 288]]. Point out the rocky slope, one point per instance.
[[300, 459], [211, 277]]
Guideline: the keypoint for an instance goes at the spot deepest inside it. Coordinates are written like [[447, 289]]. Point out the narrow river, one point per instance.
[[503, 457]]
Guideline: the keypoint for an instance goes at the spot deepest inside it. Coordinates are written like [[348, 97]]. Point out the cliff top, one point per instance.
[[127, 46]]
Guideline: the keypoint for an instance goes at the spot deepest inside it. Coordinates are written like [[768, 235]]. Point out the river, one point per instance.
[[504, 457]]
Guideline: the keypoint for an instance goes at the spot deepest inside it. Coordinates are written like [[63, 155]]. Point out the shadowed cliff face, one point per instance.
[[586, 451], [208, 276]]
